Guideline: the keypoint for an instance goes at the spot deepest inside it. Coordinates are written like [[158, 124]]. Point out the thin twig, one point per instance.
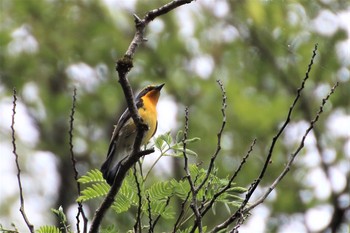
[[255, 184], [158, 217], [218, 145], [219, 134], [182, 212], [149, 209], [206, 191], [108, 201], [137, 225], [287, 167], [22, 210], [194, 191], [228, 186], [142, 23], [74, 161]]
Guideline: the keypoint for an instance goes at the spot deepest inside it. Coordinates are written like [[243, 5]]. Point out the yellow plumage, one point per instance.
[[125, 131]]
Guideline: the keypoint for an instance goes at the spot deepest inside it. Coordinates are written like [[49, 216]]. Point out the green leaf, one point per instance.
[[110, 229], [121, 204], [238, 189], [159, 208], [160, 190], [129, 190], [179, 136], [92, 176], [96, 190], [159, 143], [48, 229], [179, 148], [60, 214], [166, 138], [191, 140], [181, 188]]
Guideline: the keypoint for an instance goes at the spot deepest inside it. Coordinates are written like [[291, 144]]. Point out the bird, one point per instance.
[[124, 134]]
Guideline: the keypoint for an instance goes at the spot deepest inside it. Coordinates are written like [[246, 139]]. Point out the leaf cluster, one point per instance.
[[156, 199]]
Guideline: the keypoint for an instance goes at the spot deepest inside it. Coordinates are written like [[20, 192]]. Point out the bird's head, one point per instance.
[[150, 92]]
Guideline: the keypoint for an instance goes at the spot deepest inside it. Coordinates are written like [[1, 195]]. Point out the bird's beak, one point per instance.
[[159, 87]]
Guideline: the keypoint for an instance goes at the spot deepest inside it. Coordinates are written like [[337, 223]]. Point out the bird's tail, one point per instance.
[[109, 172]]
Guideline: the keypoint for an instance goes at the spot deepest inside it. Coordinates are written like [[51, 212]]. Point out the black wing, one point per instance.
[[106, 168]]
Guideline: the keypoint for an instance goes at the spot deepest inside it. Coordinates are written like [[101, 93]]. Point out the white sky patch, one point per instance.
[[31, 95], [43, 166], [83, 76], [326, 23], [80, 145], [318, 218], [342, 49], [155, 28], [22, 41], [186, 22], [24, 125], [338, 179], [343, 74], [295, 224], [292, 137], [203, 66], [163, 168], [192, 46], [230, 33], [329, 155], [124, 4], [321, 90], [319, 182], [344, 17], [257, 221], [220, 8], [7, 172], [338, 124], [294, 132], [167, 112]]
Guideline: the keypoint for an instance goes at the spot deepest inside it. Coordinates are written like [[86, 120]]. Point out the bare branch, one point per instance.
[[228, 186], [255, 184], [194, 191], [74, 161], [149, 209], [108, 201], [219, 135], [292, 157], [182, 213], [152, 226], [188, 175], [22, 210], [142, 23], [137, 225], [217, 150]]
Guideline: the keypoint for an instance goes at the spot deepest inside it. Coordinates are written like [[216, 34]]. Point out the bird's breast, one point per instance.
[[149, 117]]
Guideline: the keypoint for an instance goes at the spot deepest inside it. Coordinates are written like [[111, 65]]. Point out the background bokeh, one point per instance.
[[260, 49]]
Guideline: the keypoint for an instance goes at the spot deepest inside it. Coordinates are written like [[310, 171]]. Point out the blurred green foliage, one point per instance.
[[259, 49]]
